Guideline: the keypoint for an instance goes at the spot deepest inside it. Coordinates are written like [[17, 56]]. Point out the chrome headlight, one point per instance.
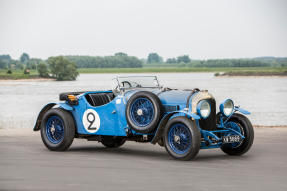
[[227, 107], [203, 108]]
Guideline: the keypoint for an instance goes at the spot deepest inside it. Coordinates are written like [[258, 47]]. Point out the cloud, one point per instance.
[[202, 29]]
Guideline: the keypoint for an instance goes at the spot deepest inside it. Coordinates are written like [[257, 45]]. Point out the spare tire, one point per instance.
[[143, 112]]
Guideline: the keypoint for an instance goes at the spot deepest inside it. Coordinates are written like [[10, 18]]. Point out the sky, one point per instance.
[[203, 29]]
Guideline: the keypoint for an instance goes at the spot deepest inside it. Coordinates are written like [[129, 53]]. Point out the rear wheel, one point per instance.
[[112, 142], [57, 129], [240, 123], [182, 138]]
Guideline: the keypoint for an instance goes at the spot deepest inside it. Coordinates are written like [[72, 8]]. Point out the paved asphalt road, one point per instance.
[[25, 164]]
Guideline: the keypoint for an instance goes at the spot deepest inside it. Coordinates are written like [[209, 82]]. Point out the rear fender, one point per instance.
[[46, 108], [164, 120]]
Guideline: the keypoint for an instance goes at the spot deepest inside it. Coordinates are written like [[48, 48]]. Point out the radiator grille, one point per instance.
[[210, 122], [170, 108]]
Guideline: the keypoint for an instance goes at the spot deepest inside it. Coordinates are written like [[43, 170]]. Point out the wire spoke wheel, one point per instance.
[[143, 111], [182, 138], [179, 138], [236, 127], [241, 124], [55, 129]]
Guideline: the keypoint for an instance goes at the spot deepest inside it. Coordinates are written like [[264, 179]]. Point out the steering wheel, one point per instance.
[[126, 84]]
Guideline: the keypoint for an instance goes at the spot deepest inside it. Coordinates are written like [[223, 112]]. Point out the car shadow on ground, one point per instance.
[[158, 154], [123, 151]]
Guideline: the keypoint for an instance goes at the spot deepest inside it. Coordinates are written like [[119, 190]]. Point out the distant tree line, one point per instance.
[[122, 60], [24, 62], [119, 60], [185, 61], [4, 61], [57, 67], [154, 58], [229, 63], [179, 59], [252, 62]]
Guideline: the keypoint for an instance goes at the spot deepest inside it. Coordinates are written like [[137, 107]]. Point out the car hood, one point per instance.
[[170, 97], [178, 97]]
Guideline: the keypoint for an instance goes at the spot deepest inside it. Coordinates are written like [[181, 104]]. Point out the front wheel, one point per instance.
[[182, 138], [241, 124], [57, 129]]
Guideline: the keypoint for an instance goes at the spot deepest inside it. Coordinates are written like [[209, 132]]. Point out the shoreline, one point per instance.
[[27, 79], [251, 76], [282, 73]]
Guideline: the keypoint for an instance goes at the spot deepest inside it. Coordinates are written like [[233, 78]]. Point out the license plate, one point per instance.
[[231, 139]]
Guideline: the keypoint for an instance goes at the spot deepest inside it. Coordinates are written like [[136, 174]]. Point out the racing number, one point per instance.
[[91, 119]]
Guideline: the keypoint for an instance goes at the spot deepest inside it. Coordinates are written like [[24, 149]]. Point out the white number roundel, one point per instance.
[[91, 121]]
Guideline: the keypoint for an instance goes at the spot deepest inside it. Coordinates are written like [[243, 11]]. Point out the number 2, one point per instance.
[[91, 121]]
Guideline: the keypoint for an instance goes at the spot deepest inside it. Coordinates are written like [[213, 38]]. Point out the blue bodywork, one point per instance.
[[110, 119]]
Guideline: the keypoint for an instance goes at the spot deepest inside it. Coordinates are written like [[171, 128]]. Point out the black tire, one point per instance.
[[112, 142], [247, 128], [68, 126], [157, 109], [195, 138]]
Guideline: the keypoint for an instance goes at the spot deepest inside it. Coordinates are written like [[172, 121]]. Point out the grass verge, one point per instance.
[[18, 74]]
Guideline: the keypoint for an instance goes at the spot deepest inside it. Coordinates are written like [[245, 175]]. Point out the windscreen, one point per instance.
[[138, 82]]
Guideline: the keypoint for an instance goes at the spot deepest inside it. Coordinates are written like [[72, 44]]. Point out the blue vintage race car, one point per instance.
[[139, 109]]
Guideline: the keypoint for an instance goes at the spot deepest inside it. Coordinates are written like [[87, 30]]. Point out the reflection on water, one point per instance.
[[265, 97]]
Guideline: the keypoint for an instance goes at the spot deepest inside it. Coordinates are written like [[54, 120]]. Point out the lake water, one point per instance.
[[264, 97]]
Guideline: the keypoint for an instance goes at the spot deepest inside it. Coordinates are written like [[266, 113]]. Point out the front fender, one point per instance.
[[47, 107], [65, 106], [164, 121], [243, 111]]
